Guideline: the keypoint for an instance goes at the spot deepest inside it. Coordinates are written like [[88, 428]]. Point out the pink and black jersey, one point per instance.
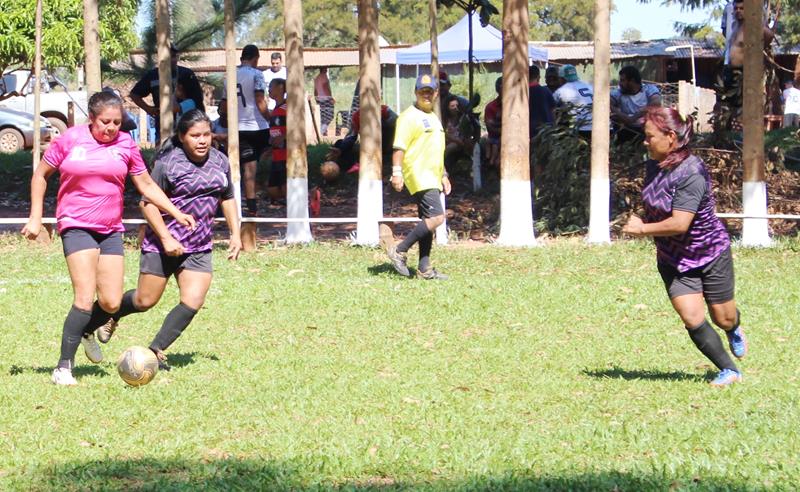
[[195, 189], [92, 176], [686, 187], [277, 129]]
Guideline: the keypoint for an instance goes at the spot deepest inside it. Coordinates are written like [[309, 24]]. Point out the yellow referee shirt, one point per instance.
[[421, 136]]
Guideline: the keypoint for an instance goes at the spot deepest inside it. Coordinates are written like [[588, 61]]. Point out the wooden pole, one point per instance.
[[164, 69], [601, 110], [296, 157], [370, 196], [91, 46], [248, 230], [754, 231], [45, 234], [516, 211], [434, 53]]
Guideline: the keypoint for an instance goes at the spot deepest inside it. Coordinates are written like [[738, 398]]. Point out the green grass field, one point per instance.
[[316, 368]]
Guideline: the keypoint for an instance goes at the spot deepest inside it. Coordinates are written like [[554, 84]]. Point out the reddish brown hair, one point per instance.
[[670, 120]]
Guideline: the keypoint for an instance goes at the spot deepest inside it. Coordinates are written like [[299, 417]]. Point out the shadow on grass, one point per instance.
[[184, 359], [385, 268], [77, 371], [648, 374], [246, 475]]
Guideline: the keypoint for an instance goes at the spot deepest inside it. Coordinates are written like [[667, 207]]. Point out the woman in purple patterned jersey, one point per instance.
[[197, 179], [693, 247]]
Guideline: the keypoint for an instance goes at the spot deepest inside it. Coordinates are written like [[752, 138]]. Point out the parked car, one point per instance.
[[16, 130], [54, 100]]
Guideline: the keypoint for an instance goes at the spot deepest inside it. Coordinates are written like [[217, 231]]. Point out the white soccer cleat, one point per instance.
[[63, 377], [91, 348]]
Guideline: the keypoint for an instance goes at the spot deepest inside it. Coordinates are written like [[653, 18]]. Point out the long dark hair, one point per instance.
[[187, 121], [670, 120]]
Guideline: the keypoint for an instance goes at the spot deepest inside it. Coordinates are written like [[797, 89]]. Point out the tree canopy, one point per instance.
[[62, 32], [333, 23]]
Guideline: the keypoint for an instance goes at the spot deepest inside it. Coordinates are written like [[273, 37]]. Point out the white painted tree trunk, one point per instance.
[[296, 156], [599, 192], [516, 214], [297, 208], [370, 189], [755, 232], [754, 189], [441, 231], [516, 211]]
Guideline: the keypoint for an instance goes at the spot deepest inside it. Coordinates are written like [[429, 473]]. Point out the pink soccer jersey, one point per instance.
[[92, 178]]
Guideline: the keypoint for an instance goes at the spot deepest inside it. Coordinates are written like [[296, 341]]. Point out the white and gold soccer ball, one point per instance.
[[137, 365]]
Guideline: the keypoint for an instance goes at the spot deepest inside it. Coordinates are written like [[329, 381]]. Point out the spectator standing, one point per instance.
[[540, 102], [324, 98], [253, 126], [276, 70], [148, 85], [276, 186], [629, 102], [575, 96], [551, 79], [791, 105], [219, 130]]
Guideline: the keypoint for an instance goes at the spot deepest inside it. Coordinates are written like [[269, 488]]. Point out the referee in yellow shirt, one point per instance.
[[418, 163]]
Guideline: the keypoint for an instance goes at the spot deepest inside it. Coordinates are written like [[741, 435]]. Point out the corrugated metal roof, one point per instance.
[[213, 59], [584, 50]]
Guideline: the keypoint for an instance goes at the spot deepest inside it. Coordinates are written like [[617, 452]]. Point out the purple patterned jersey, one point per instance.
[[706, 238], [196, 189]]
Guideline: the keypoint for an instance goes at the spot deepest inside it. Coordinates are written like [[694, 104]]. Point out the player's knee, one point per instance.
[[435, 222], [145, 302], [724, 320], [109, 305]]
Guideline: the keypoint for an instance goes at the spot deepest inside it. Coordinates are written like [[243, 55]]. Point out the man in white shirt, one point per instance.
[[576, 97], [791, 105], [276, 70], [629, 102], [253, 126]]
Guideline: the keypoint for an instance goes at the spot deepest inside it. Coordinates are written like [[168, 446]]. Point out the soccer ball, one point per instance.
[[329, 170], [137, 366]]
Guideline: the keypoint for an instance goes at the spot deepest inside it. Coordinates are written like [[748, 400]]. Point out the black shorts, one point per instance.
[[252, 144], [715, 280], [76, 239], [162, 265], [428, 203], [277, 174]]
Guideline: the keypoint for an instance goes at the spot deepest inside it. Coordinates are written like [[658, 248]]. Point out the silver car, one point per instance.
[[16, 130]]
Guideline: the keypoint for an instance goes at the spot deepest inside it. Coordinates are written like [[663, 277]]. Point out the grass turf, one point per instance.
[[556, 368]]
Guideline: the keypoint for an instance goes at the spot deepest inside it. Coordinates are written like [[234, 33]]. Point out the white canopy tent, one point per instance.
[[454, 46]]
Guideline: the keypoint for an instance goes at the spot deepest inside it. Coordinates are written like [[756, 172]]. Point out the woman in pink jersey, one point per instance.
[[93, 161]]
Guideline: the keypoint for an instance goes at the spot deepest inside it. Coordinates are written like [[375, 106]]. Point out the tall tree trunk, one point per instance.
[[441, 231], [248, 237], [370, 186], [754, 231], [434, 53], [516, 214], [91, 45], [599, 195], [470, 13], [37, 86], [296, 157], [164, 69]]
